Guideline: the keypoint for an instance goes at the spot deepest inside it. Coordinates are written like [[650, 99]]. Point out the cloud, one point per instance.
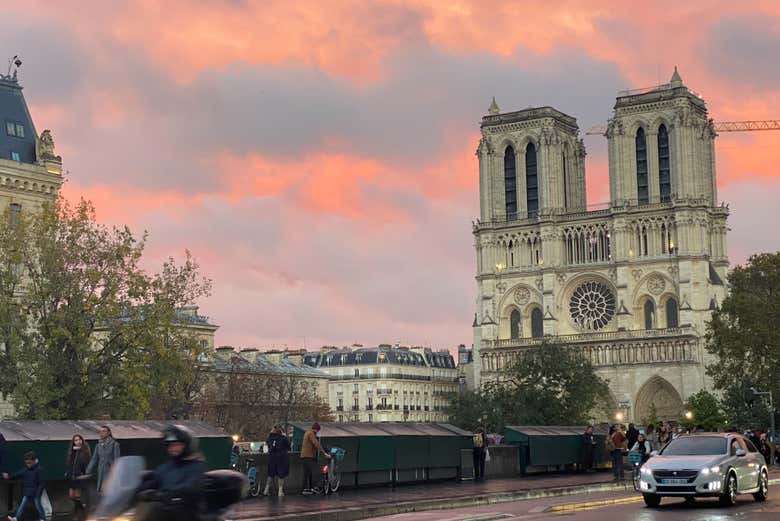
[[319, 162]]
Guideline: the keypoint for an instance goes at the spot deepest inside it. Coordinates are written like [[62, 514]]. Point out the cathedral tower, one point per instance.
[[631, 285]]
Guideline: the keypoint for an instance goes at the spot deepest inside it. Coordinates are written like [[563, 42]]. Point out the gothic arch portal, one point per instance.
[[659, 393]]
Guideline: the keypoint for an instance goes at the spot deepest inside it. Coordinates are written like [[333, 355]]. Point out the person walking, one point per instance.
[[618, 449], [309, 450], [631, 435], [588, 449], [76, 462], [479, 453], [106, 453], [32, 485], [278, 459], [652, 437], [765, 448]]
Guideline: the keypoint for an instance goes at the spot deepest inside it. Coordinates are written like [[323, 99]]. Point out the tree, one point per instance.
[[546, 385], [247, 401], [705, 410], [743, 334], [652, 416], [87, 331]]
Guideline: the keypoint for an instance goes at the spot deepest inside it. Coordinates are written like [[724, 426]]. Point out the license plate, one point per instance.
[[674, 481]]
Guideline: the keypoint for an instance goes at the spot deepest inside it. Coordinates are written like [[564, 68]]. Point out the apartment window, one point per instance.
[[356, 388], [357, 372], [13, 128]]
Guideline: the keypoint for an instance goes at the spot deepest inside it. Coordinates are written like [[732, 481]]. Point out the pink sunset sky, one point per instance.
[[318, 157]]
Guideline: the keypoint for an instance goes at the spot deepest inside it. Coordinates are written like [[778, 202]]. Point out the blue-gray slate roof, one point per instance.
[[380, 355], [17, 132]]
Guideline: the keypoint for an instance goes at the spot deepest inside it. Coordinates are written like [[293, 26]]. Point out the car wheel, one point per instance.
[[652, 500], [763, 488], [729, 496]]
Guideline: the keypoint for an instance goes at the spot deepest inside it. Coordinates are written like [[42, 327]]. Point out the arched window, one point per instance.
[[510, 183], [664, 166], [641, 167], [531, 185], [537, 323], [672, 318], [514, 324], [649, 314]]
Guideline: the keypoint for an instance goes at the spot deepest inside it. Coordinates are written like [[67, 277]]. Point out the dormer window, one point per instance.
[[12, 128]]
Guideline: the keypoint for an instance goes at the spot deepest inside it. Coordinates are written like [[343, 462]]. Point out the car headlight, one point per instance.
[[710, 470], [646, 471]]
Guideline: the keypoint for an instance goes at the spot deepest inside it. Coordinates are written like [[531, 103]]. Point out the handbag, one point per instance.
[[487, 455]]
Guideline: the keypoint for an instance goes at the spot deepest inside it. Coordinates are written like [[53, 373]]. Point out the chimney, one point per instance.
[[224, 353], [249, 354], [296, 356]]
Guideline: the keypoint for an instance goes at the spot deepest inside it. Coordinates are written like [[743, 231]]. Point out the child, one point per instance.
[[32, 485]]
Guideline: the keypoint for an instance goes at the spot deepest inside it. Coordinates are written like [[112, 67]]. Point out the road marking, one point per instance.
[[593, 504]]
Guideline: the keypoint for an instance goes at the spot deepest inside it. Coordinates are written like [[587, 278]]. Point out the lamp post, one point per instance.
[[771, 410]]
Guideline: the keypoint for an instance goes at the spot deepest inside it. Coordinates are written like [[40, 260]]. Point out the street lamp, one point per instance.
[[619, 416], [771, 410], [688, 415], [235, 438]]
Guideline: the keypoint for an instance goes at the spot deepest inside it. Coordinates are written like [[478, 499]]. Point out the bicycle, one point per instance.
[[635, 458], [251, 473], [331, 473]]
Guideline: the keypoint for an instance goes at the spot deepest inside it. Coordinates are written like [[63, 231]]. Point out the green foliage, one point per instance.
[[706, 411], [652, 417], [88, 332], [745, 340], [547, 385]]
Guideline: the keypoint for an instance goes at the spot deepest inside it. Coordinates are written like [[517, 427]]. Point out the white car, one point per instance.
[[705, 465]]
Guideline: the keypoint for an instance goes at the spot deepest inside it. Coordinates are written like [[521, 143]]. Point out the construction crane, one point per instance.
[[720, 126]]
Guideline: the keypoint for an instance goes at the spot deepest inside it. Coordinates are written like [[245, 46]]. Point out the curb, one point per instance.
[[368, 511]]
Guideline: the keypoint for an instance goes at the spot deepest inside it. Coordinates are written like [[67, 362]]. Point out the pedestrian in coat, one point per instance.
[[76, 462], [619, 447], [278, 459], [479, 452], [310, 448], [631, 435], [32, 485], [588, 448], [106, 453], [765, 448]]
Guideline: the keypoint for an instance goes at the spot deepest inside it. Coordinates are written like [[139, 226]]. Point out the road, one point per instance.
[[630, 507]]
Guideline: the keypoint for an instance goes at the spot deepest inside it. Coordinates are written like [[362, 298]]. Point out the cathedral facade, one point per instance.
[[633, 283]]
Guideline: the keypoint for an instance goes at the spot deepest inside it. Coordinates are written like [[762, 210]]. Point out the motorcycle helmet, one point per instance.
[[180, 433]]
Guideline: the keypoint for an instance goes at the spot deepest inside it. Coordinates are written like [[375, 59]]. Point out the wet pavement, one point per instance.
[[276, 508], [629, 507], [448, 500]]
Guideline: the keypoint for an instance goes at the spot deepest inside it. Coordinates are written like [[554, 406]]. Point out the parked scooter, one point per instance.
[[221, 489]]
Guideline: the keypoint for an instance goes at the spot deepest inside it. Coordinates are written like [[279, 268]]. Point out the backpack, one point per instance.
[[479, 441]]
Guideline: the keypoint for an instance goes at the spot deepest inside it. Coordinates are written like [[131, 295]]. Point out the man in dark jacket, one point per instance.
[[631, 435], [588, 448], [174, 491], [32, 485], [479, 454]]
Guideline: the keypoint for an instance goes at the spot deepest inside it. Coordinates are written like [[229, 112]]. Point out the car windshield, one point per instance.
[[696, 446]]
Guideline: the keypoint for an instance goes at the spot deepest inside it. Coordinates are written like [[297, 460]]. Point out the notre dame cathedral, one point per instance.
[[631, 284]]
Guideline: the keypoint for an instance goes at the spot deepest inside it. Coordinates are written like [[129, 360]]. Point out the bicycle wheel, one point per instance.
[[254, 483], [335, 481]]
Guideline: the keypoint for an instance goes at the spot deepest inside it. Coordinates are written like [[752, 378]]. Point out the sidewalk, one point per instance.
[[353, 504]]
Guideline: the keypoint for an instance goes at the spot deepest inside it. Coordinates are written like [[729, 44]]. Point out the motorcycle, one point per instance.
[[221, 489]]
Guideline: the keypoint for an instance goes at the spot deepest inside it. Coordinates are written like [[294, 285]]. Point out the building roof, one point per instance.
[[530, 114], [256, 362], [15, 120], [35, 430], [379, 355]]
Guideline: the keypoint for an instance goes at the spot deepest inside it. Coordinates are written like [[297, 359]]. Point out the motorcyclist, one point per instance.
[[173, 492]]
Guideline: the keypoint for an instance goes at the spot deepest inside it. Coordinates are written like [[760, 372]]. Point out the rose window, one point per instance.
[[592, 306]]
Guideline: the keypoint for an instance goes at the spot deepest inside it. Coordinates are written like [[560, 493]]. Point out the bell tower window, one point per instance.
[[672, 318], [510, 183], [531, 184], [565, 184], [514, 324], [649, 314], [641, 167], [537, 323], [664, 166]]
